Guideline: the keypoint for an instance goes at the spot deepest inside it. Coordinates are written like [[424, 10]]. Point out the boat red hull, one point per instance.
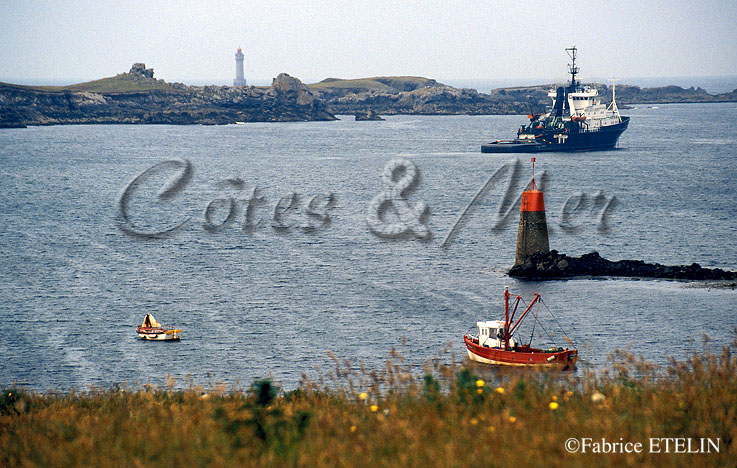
[[521, 356]]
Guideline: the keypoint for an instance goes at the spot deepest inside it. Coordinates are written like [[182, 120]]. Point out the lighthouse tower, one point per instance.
[[239, 80], [532, 236]]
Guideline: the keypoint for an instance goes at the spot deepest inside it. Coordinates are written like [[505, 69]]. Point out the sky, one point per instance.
[[64, 42]]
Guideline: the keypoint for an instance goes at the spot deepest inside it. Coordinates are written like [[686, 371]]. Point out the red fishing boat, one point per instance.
[[495, 343]]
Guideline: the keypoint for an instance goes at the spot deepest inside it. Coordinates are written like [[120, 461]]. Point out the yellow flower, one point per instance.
[[374, 408], [480, 391], [474, 421], [353, 428], [491, 429], [512, 419], [479, 383], [555, 398], [363, 396], [553, 405], [499, 390]]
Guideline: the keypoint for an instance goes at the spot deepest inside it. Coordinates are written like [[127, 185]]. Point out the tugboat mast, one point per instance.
[[572, 68], [613, 105]]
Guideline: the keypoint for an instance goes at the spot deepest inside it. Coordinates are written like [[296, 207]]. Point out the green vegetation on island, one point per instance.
[[684, 414]]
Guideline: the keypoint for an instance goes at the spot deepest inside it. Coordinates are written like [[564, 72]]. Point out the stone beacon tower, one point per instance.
[[532, 236], [239, 80]]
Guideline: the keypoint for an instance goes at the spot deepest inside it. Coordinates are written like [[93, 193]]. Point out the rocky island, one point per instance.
[[136, 97], [424, 96], [368, 115]]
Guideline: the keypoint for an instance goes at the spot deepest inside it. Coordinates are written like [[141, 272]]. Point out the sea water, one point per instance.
[[253, 239]]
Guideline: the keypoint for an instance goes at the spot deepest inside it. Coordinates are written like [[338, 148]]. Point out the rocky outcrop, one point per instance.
[[290, 88], [668, 94], [137, 97], [427, 100], [414, 95], [140, 69], [369, 114], [554, 265]]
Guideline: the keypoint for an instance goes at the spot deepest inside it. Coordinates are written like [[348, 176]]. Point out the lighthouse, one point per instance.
[[532, 236], [239, 80]]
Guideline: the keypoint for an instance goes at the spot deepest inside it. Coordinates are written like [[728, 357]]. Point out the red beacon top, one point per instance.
[[532, 198]]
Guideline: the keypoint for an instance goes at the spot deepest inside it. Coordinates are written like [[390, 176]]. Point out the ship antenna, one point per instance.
[[572, 68], [613, 105], [533, 171]]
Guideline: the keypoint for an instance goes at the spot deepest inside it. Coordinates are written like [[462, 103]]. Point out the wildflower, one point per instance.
[[554, 398], [474, 421], [499, 390], [374, 408], [479, 383], [480, 391], [491, 429], [597, 397], [353, 428], [512, 419], [553, 405], [363, 396]]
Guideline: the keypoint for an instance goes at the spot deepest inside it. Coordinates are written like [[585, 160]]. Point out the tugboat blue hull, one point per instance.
[[603, 139]]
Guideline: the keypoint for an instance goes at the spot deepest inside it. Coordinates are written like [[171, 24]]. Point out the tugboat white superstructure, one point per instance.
[[578, 121]]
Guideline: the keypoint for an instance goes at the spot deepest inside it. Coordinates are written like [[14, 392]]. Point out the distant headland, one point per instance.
[[136, 97], [416, 95]]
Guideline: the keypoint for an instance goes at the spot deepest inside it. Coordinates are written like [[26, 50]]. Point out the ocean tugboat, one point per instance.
[[495, 343], [578, 121], [152, 330]]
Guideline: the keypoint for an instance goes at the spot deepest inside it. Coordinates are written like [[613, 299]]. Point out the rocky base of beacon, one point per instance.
[[554, 265]]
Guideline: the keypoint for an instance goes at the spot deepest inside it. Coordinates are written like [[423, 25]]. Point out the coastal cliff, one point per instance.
[[137, 97], [417, 95], [409, 95]]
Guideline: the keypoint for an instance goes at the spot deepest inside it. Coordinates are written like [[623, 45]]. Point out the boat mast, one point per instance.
[[613, 105], [572, 68], [506, 317], [533, 174]]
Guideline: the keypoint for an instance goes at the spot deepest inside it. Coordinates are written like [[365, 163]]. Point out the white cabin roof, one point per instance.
[[490, 324]]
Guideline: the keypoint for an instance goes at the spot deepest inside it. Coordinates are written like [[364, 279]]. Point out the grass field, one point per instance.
[[123, 83], [388, 418], [381, 83]]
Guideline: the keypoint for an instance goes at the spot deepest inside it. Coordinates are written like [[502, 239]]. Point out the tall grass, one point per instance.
[[388, 418]]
